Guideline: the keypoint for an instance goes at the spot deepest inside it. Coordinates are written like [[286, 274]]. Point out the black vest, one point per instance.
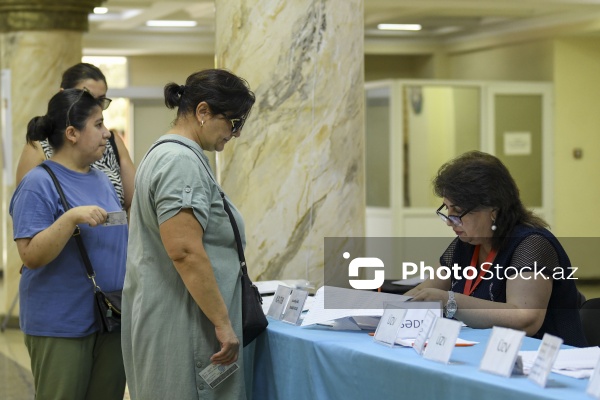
[[562, 316]]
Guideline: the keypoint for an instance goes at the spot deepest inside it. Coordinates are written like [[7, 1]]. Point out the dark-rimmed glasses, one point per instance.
[[103, 102], [455, 220], [236, 124]]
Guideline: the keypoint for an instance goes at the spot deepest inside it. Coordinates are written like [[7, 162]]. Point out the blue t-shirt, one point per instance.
[[57, 299]]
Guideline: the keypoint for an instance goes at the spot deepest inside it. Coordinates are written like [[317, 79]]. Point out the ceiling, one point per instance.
[[454, 25]]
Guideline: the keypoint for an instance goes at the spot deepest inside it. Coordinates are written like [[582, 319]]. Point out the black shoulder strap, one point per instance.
[[236, 232], [192, 149], [84, 255]]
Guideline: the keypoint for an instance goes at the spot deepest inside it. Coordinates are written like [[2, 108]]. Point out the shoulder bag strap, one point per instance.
[[84, 255], [236, 231]]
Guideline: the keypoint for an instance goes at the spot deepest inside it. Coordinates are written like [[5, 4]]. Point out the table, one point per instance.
[[292, 362]]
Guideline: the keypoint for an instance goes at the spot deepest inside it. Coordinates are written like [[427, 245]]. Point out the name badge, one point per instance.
[[442, 340], [501, 352], [294, 306], [280, 300], [423, 335], [593, 388], [389, 324], [546, 356]]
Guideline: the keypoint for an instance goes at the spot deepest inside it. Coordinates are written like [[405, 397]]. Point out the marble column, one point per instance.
[[39, 39], [297, 171]]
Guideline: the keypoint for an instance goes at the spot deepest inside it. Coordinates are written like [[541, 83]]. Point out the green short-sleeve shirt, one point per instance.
[[167, 339]]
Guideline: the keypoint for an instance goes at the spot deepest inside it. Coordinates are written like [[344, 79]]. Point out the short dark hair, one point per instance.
[[224, 92], [78, 103], [476, 179], [79, 73]]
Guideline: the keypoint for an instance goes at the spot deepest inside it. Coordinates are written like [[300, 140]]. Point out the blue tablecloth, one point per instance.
[[293, 362]]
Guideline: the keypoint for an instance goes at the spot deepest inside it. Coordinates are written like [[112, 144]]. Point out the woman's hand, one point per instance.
[[45, 246], [91, 215], [230, 346]]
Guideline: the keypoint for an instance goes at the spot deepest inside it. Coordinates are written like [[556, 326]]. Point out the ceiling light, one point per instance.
[[100, 10], [171, 24], [399, 27]]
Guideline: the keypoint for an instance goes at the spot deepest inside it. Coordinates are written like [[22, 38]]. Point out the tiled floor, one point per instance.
[[16, 381]]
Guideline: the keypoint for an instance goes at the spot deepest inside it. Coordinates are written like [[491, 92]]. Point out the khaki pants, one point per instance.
[[87, 368]]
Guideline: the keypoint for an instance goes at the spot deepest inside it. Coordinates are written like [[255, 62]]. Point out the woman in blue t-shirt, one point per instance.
[[70, 359], [508, 269]]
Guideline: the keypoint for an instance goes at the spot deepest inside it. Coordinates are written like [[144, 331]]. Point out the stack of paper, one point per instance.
[[576, 363], [356, 303]]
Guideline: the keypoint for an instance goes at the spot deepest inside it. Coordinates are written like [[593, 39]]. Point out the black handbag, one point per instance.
[[108, 304], [254, 321]]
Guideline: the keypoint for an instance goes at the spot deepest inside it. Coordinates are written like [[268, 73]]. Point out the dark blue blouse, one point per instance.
[[527, 249]]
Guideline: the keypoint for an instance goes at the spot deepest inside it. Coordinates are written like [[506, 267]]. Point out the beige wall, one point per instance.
[[530, 61], [151, 118], [160, 70], [378, 67], [577, 122]]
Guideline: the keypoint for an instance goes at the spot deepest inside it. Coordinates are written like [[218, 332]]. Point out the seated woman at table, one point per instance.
[[526, 286]]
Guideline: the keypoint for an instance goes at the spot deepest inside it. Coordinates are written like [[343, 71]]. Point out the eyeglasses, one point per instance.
[[103, 102], [236, 124], [455, 220]]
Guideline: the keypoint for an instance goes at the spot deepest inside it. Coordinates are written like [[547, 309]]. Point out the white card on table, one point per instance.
[[280, 300], [294, 306], [423, 335], [115, 218], [216, 373], [389, 324], [501, 351], [442, 340], [593, 388], [544, 360]]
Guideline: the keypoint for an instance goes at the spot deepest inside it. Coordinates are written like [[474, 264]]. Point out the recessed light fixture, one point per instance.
[[100, 10], [171, 24], [399, 27]]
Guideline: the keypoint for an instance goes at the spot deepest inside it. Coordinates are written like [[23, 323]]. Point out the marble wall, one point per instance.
[[36, 61], [297, 171]]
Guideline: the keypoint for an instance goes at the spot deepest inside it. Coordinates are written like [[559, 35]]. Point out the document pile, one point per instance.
[[576, 363], [358, 307]]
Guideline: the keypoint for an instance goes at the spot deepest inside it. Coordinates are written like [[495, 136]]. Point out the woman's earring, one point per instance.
[[494, 227], [202, 123]]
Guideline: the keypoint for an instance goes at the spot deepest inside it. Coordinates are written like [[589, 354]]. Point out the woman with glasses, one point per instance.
[[115, 161], [512, 272], [181, 306], [70, 358]]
